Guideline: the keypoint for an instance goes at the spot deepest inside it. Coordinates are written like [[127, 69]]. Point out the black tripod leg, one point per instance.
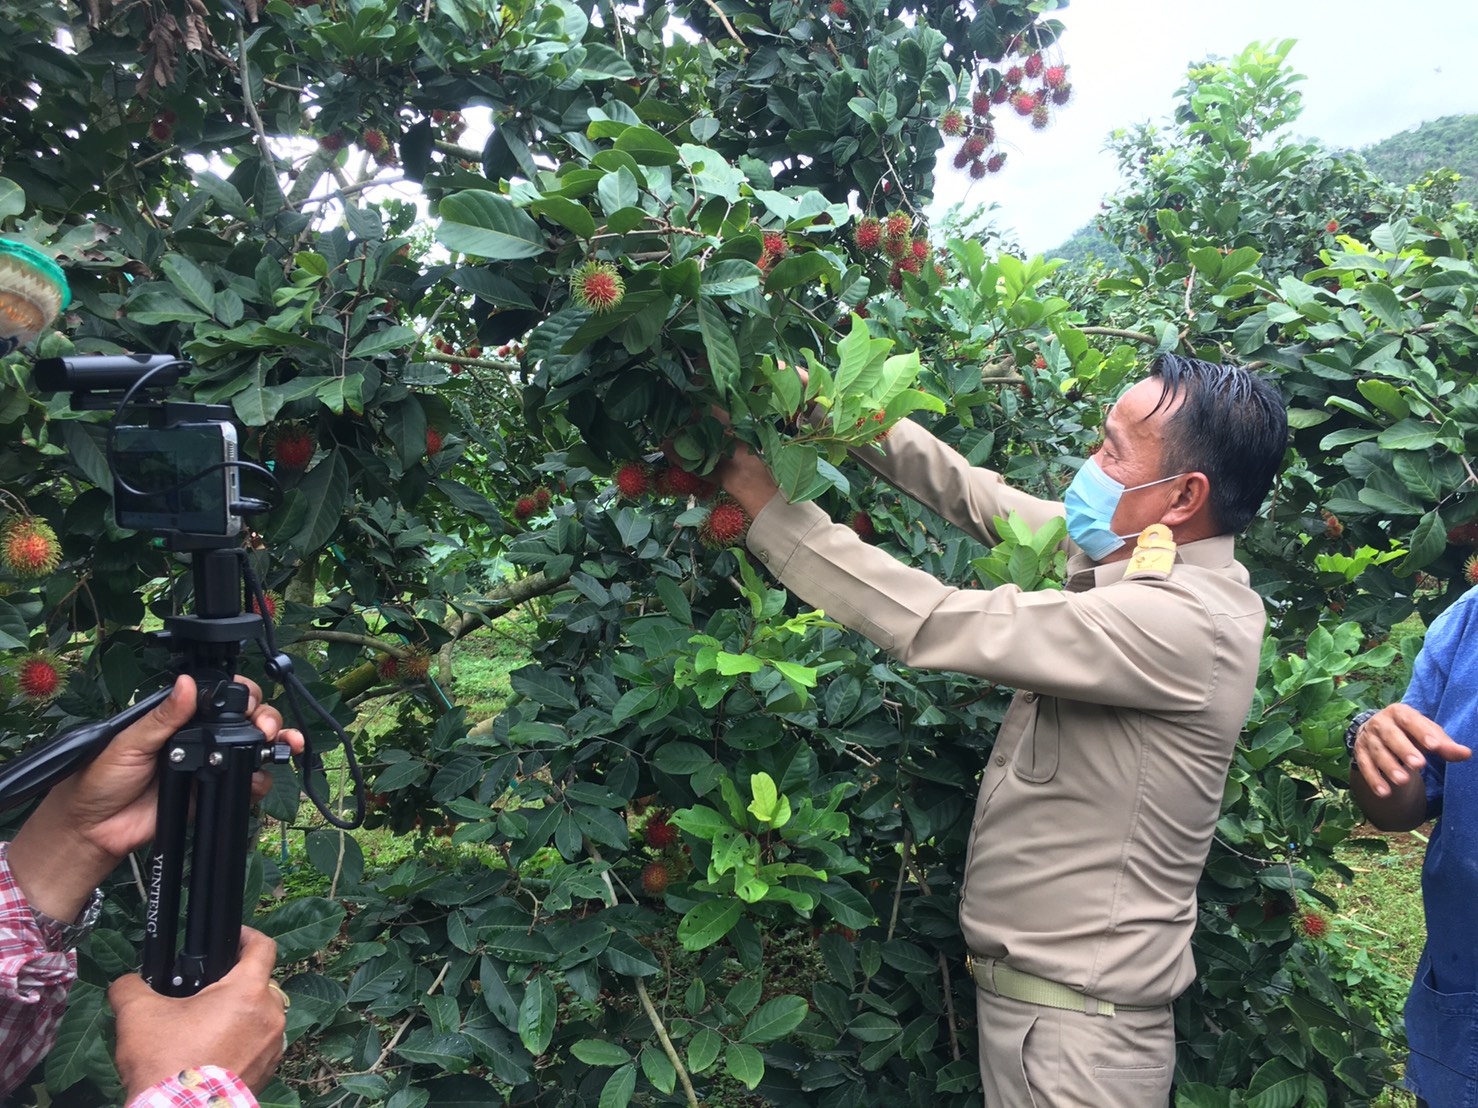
[[166, 867], [218, 866]]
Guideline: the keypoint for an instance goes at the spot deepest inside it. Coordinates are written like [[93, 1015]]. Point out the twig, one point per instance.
[[722, 18], [667, 1047], [367, 641], [333, 885], [1119, 333], [399, 1031], [250, 102], [949, 1008], [898, 885]]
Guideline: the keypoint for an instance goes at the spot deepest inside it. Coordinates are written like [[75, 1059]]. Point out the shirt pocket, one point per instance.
[[1037, 753]]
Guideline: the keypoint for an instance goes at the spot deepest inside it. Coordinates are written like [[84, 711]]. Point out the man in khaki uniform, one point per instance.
[[1097, 807]]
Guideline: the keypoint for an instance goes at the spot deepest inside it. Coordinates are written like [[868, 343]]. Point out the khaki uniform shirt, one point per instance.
[[1097, 808]]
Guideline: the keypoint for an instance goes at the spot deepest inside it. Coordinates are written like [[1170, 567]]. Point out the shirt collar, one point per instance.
[[1217, 552]]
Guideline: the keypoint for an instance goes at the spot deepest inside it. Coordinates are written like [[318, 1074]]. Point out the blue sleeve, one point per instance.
[[1430, 674]]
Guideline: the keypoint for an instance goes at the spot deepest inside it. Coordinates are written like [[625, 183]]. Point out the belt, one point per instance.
[[996, 977]]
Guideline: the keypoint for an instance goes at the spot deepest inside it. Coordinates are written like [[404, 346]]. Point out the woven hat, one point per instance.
[[33, 291]]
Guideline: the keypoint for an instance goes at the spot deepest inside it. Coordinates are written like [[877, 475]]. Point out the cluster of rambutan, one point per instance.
[[442, 346], [672, 857], [414, 666], [726, 522], [377, 145], [776, 247], [895, 236], [451, 123], [1029, 86], [531, 503]]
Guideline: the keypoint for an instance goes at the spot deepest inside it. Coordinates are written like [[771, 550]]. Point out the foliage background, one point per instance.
[[802, 947]]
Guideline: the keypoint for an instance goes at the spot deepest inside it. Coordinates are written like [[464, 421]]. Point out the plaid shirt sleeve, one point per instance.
[[34, 982], [206, 1087]]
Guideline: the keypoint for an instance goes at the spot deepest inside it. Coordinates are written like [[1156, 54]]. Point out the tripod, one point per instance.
[[213, 760]]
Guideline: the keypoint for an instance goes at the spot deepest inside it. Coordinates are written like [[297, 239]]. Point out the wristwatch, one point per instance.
[[1352, 732], [61, 937]]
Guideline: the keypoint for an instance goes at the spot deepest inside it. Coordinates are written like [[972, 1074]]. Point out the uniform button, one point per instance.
[[1030, 698], [1000, 759], [764, 555]]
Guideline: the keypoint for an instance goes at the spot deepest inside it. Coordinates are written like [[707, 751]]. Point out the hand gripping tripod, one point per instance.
[[212, 760]]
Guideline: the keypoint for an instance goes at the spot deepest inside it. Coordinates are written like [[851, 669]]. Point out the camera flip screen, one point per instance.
[[182, 476]]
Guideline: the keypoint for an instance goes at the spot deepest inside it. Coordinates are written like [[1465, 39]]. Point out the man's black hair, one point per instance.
[[1232, 426]]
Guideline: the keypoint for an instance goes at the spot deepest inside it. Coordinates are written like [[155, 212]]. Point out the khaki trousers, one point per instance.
[[1035, 1057]]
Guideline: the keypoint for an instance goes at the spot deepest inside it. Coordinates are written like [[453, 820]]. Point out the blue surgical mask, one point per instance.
[[1091, 501]]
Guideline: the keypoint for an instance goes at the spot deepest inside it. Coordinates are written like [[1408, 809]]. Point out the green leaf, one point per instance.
[[647, 146], [658, 1069], [12, 198], [81, 1047], [479, 223], [799, 269], [568, 214], [703, 1050], [188, 277], [303, 927], [383, 341], [1426, 544], [599, 1052], [718, 341], [448, 1051], [744, 1063], [766, 797], [1384, 304], [775, 1019], [707, 923], [537, 1015], [618, 1088], [325, 490], [13, 632], [681, 759]]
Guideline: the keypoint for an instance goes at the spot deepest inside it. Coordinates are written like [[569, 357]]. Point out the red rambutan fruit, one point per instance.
[[861, 522], [524, 507], [654, 877], [292, 447], [28, 547], [658, 833], [725, 524], [952, 122], [597, 287], [1033, 66], [1311, 925], [434, 440], [39, 677], [868, 234], [633, 480]]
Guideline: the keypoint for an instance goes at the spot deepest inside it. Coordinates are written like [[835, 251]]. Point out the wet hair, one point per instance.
[[1232, 426]]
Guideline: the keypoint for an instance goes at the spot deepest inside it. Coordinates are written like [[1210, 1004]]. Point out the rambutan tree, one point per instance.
[[709, 852]]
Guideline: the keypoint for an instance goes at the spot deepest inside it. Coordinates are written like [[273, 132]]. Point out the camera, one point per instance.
[[180, 477], [176, 466]]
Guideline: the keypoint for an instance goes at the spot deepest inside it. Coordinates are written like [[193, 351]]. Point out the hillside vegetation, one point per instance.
[[1403, 159]]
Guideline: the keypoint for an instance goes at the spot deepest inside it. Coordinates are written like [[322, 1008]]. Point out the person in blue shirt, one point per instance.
[[1409, 764]]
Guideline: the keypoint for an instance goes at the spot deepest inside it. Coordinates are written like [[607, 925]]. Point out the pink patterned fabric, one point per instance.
[[34, 983], [207, 1087]]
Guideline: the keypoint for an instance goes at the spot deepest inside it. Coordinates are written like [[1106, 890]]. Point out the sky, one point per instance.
[[1373, 69]]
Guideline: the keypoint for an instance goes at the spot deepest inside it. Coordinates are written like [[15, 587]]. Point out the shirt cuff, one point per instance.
[[206, 1087]]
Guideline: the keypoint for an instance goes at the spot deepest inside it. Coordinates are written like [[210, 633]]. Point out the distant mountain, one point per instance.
[[1450, 142]]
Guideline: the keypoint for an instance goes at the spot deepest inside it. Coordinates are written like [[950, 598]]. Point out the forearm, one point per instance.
[[34, 983], [55, 869]]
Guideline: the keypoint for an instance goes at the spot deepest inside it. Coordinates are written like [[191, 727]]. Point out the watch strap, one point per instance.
[[61, 936], [1352, 732]]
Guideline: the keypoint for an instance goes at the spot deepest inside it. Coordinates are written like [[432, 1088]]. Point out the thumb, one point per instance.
[[126, 990], [167, 717]]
